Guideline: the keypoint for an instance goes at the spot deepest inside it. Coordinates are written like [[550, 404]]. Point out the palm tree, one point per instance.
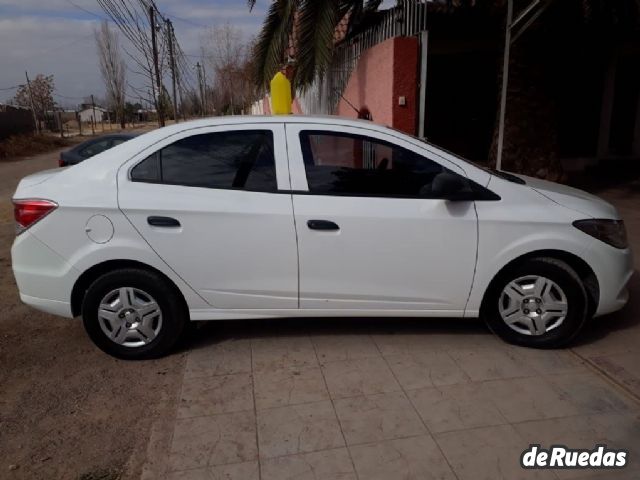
[[313, 24]]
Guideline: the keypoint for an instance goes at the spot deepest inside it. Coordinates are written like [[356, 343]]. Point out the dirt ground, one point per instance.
[[66, 409]]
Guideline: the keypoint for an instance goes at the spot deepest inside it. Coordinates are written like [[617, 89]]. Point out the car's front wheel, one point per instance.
[[133, 314], [540, 303]]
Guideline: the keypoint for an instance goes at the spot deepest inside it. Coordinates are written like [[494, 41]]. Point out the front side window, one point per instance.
[[345, 164], [242, 159]]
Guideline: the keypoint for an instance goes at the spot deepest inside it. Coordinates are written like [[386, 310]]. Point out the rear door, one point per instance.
[[206, 200], [371, 236]]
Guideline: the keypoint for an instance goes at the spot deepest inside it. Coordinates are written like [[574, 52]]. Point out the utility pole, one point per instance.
[[505, 84], [200, 84], [93, 117], [33, 107], [60, 126], [184, 115], [204, 91], [172, 64], [154, 45]]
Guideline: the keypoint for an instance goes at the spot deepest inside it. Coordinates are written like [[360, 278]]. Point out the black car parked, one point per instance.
[[92, 147]]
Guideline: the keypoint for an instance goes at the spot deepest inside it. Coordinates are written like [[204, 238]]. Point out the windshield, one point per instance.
[[510, 177]]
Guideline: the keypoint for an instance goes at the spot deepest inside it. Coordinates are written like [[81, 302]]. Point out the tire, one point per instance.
[[548, 300], [133, 314]]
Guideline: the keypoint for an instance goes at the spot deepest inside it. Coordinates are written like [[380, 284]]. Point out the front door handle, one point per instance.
[[322, 225], [163, 222]]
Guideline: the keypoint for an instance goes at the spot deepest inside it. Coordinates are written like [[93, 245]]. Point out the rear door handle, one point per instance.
[[322, 225], [163, 222]]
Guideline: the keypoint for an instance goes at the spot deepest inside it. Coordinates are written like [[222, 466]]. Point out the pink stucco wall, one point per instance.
[[384, 73], [295, 107]]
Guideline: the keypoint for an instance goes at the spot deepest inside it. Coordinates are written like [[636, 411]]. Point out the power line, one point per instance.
[[86, 11], [185, 20], [67, 97], [11, 88]]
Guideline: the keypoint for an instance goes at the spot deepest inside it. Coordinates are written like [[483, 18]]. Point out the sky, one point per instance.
[[56, 37]]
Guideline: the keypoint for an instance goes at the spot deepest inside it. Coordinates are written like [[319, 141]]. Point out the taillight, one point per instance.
[[29, 211], [60, 161]]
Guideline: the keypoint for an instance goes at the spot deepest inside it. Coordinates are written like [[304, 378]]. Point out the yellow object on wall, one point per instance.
[[280, 95]]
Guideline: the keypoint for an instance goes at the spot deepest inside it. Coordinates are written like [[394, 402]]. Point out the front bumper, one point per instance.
[[613, 268]]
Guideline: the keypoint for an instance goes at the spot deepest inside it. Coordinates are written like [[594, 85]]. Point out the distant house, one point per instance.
[[87, 115], [146, 115]]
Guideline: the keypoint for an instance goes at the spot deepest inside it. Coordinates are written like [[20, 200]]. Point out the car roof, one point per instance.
[[257, 119]]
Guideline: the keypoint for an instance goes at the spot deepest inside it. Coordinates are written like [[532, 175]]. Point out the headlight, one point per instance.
[[608, 231]]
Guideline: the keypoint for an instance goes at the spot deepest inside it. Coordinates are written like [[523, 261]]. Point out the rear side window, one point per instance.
[[345, 164], [227, 160]]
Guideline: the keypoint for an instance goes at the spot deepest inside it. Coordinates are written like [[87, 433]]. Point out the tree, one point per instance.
[[133, 19], [308, 25], [131, 111], [42, 88], [227, 56], [112, 69]]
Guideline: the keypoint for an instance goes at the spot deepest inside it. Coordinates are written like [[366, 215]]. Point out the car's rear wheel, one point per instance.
[[133, 314], [540, 303]]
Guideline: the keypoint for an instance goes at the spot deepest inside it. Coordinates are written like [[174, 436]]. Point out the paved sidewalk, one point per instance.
[[355, 401], [402, 399]]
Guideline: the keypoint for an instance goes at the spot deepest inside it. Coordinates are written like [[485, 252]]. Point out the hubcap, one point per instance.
[[130, 317], [533, 305]]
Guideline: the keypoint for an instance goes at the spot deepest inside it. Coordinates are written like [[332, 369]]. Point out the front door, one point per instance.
[[370, 234], [206, 200]]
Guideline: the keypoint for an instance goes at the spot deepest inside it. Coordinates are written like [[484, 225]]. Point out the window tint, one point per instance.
[[339, 163], [147, 170], [239, 159]]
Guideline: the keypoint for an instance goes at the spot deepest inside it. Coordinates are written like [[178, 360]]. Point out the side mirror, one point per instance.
[[449, 186]]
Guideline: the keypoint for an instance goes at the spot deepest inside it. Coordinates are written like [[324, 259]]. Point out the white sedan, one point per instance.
[[255, 217]]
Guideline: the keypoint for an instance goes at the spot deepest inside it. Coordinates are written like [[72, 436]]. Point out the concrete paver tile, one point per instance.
[[270, 353], [532, 398], [363, 376], [289, 386], [297, 429], [456, 407], [332, 464], [624, 367], [213, 440], [548, 362], [487, 453], [591, 394], [491, 364], [426, 369], [425, 341], [415, 458], [213, 395], [224, 358], [331, 348], [586, 431], [373, 418], [234, 471]]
